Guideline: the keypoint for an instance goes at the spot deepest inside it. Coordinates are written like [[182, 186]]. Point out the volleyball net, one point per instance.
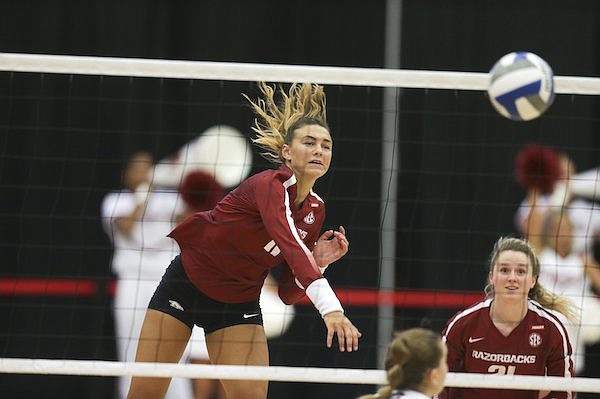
[[320, 375], [422, 179]]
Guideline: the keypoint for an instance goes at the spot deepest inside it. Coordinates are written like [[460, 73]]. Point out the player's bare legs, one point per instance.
[[163, 339], [244, 344], [206, 388]]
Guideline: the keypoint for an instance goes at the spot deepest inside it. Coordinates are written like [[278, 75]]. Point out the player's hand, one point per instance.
[[347, 333], [331, 246], [141, 193]]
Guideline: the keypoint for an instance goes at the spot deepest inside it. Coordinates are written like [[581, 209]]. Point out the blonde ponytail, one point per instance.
[[410, 356], [277, 121]]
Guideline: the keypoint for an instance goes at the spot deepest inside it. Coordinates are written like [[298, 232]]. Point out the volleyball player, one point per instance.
[[569, 274], [415, 365], [514, 331], [271, 219], [583, 219], [584, 215]]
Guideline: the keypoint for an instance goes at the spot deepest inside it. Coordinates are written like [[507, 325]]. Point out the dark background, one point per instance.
[[63, 140]]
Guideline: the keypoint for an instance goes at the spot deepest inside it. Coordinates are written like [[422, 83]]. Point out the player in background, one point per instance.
[[514, 331], [137, 218], [547, 176], [564, 228], [415, 365], [273, 218], [568, 274]]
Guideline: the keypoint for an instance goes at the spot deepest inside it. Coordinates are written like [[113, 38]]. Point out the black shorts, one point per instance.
[[177, 296]]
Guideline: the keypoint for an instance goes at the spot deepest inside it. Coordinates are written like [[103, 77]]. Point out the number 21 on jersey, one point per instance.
[[502, 369]]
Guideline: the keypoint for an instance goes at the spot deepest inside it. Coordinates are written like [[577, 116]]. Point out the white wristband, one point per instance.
[[323, 297], [323, 268]]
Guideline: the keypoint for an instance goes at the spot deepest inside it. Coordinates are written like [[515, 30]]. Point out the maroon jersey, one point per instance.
[[228, 251], [539, 345]]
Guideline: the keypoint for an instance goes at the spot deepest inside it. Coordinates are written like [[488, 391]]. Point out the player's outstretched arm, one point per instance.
[[347, 333]]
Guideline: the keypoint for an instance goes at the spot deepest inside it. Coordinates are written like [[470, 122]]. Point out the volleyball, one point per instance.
[[521, 86]]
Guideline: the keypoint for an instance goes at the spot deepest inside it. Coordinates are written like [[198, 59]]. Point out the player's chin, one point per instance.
[[513, 294], [316, 170]]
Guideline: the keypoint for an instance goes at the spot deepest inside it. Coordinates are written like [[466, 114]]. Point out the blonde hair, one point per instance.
[[410, 356], [538, 293], [303, 104]]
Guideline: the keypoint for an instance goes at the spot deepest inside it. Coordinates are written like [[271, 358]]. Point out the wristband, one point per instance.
[[323, 297]]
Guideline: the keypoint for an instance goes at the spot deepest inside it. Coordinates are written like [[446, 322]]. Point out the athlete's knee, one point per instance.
[[148, 388], [246, 390], [143, 394]]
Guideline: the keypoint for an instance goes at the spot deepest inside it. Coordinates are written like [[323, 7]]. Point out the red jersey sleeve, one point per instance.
[[274, 204], [289, 291], [559, 362]]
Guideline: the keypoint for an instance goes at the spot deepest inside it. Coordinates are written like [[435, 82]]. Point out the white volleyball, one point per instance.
[[521, 86]]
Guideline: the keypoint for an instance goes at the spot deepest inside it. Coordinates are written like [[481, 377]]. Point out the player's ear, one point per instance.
[[434, 377], [533, 282], [285, 152]]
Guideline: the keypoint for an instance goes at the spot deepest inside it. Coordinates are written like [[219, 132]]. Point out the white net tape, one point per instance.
[[281, 373], [154, 68]]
